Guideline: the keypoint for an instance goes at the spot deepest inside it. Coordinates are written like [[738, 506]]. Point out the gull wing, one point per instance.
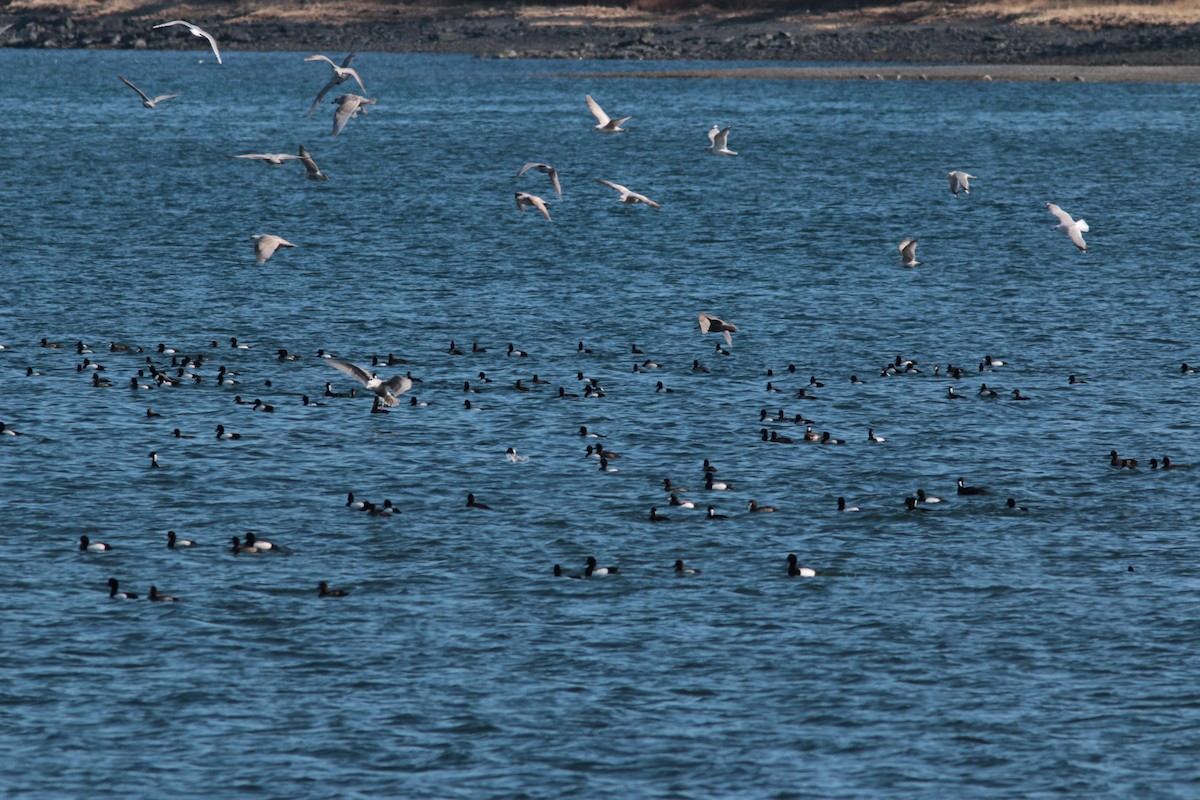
[[196, 31], [164, 97], [908, 249], [705, 321], [358, 373], [540, 205], [1063, 217], [125, 81], [720, 141], [1076, 233], [527, 167], [346, 61], [616, 186], [642, 198], [320, 58], [347, 107], [597, 111], [309, 163], [554, 180], [398, 384], [354, 74], [321, 95], [712, 135]]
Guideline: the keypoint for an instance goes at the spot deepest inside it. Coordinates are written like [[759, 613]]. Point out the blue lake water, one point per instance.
[[966, 651]]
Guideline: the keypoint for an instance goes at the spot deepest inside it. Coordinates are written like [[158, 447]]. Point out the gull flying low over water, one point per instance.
[[339, 77], [711, 323], [718, 141], [1071, 227], [959, 180], [524, 200], [344, 72], [386, 391], [311, 169], [606, 123], [908, 252], [628, 196], [147, 102], [548, 170], [265, 245], [196, 31], [348, 106], [270, 158]]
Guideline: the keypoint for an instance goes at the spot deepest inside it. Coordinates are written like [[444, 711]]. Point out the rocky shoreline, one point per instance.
[[505, 34]]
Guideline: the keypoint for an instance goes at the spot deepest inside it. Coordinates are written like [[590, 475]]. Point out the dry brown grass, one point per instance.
[[637, 13]]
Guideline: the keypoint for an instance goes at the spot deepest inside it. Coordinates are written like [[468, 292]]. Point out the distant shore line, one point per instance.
[[520, 32], [938, 72]]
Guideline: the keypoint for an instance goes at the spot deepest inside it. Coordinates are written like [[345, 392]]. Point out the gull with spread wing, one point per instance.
[[147, 102], [265, 245], [311, 169], [1074, 228], [546, 169], [524, 200], [628, 196], [711, 323], [385, 390], [195, 31], [718, 141], [606, 123], [348, 106], [337, 80], [959, 180], [908, 253]]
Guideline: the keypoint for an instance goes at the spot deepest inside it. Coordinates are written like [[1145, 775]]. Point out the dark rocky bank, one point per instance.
[[757, 37]]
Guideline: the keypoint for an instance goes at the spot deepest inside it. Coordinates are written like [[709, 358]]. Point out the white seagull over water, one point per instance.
[[959, 180], [606, 123], [1071, 227], [711, 323], [908, 252], [337, 80], [548, 170], [147, 102], [524, 200], [348, 106], [265, 245], [385, 390], [270, 158], [628, 196], [196, 31], [718, 141], [311, 169], [342, 73]]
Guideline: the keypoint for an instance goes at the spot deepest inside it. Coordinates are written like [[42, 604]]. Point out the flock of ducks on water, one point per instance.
[[187, 370]]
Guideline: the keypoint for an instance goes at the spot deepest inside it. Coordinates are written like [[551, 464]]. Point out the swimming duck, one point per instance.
[[174, 542], [512, 351], [87, 545], [1018, 396], [796, 571], [675, 501], [592, 569], [222, 434], [118, 595], [843, 507], [680, 569], [714, 485], [964, 489], [826, 438], [239, 549], [657, 517], [871, 437], [756, 508], [258, 544], [1011, 505], [7, 431], [472, 503], [604, 467], [351, 503], [323, 590], [165, 598], [925, 498], [712, 514], [511, 455]]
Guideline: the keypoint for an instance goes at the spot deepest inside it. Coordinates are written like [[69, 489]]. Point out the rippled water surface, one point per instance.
[[965, 651]]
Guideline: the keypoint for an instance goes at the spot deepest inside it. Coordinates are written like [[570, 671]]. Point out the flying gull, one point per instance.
[[711, 323], [718, 141], [627, 196], [147, 102], [524, 200], [548, 170], [348, 106], [270, 158], [959, 180], [311, 169], [607, 124], [385, 390], [908, 252], [1071, 227], [265, 245], [196, 31], [337, 80]]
